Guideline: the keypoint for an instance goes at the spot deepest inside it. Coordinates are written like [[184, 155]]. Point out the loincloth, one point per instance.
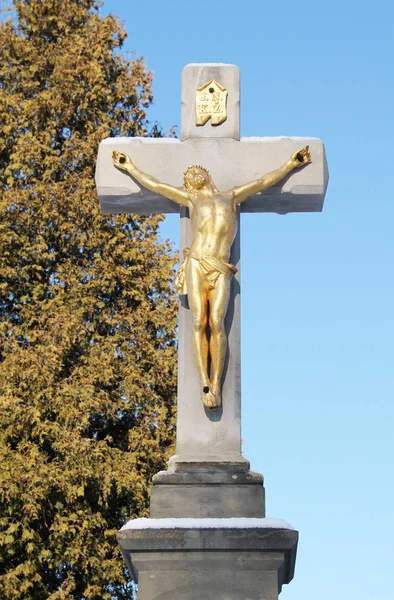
[[211, 269]]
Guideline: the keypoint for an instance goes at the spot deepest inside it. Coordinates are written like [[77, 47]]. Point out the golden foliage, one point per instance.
[[88, 317]]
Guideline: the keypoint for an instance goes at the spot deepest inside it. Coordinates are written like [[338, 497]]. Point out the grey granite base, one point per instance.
[[204, 490], [209, 564]]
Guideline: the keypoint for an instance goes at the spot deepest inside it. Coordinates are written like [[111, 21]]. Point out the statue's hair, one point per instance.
[[185, 181]]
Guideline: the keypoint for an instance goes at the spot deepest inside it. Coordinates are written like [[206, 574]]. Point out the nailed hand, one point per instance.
[[301, 157]]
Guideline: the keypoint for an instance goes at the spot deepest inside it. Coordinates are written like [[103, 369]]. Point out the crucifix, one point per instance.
[[144, 175]]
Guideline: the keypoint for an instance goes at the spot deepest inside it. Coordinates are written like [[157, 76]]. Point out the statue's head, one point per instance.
[[196, 177]]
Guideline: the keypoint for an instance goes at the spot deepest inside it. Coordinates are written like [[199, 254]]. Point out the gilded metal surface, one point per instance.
[[205, 274], [211, 100]]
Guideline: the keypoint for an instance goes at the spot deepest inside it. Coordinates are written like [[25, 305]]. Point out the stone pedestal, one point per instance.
[[244, 561], [207, 490]]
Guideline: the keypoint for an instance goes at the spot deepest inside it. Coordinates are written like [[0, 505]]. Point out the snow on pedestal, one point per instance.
[[232, 523]]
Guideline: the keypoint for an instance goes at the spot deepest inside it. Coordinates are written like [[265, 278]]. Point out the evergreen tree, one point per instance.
[[88, 318]]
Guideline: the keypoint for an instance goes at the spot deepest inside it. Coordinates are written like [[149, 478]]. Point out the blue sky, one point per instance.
[[317, 289]]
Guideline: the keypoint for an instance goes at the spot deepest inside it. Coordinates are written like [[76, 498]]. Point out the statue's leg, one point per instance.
[[218, 303], [197, 292]]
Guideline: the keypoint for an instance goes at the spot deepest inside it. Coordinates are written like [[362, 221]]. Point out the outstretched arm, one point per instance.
[[298, 159], [123, 161]]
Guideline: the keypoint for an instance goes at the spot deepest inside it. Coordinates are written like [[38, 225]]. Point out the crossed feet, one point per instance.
[[211, 398]]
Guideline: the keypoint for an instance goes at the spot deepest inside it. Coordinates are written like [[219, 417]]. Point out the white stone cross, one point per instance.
[[204, 436]]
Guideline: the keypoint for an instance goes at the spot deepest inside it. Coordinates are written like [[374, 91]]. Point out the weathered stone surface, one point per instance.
[[207, 501], [210, 564], [207, 491], [206, 473]]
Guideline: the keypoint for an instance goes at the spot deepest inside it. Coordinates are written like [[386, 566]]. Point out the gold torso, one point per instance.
[[214, 224]]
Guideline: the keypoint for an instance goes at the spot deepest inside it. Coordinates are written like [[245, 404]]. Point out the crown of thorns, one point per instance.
[[186, 183]]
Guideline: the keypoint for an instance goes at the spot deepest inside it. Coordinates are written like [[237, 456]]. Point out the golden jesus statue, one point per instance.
[[205, 274]]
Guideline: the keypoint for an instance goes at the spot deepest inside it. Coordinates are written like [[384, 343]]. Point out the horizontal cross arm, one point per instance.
[[231, 163]]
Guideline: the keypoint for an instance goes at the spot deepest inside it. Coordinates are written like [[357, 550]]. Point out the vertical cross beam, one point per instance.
[[203, 435]]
